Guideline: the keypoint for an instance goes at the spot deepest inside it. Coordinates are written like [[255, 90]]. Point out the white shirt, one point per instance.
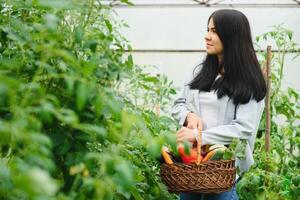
[[210, 108]]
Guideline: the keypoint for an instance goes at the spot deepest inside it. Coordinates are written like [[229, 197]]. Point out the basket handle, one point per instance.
[[199, 143]]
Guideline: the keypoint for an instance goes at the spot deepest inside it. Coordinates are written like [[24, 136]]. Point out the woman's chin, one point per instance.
[[209, 52]]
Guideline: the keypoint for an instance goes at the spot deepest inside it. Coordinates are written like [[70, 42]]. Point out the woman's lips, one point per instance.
[[208, 45]]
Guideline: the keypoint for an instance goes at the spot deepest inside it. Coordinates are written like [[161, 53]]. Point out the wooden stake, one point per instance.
[[267, 100]]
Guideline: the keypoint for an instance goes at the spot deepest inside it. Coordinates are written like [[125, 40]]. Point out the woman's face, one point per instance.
[[214, 45]]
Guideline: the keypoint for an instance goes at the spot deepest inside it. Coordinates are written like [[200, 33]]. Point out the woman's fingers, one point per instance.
[[185, 134], [195, 124], [194, 121], [199, 124], [192, 124], [180, 134]]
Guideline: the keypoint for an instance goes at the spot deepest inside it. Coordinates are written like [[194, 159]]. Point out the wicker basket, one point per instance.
[[207, 177]]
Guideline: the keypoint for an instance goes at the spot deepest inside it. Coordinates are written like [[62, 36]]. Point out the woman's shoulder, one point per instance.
[[195, 70]]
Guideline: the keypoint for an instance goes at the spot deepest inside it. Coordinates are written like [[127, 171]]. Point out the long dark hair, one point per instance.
[[243, 78]]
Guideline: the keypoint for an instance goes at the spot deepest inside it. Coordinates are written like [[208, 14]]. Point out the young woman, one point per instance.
[[224, 95]]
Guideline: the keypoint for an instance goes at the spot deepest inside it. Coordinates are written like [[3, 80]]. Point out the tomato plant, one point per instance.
[[275, 175], [67, 132]]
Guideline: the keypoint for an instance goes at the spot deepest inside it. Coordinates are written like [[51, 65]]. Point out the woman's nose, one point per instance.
[[207, 36]]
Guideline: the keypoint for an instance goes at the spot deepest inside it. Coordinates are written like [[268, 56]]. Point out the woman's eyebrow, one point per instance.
[[211, 28]]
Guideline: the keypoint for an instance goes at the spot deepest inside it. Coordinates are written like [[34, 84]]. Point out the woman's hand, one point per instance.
[[185, 134], [193, 121]]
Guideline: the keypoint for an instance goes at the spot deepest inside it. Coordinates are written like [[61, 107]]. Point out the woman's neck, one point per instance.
[[220, 57], [221, 70]]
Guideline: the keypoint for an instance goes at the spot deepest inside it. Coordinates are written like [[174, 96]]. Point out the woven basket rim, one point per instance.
[[215, 161], [178, 164]]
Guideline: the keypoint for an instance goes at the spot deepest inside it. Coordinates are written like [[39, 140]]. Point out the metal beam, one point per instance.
[[207, 3], [186, 51]]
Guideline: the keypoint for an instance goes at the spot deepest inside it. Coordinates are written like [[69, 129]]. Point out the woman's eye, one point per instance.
[[212, 30]]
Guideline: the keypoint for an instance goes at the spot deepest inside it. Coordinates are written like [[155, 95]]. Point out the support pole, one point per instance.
[[267, 100]]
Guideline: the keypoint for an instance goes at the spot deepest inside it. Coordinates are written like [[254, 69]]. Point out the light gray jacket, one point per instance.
[[244, 126]]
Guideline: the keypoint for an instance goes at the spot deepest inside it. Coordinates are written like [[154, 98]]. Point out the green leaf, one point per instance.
[[78, 34], [98, 104], [63, 148], [240, 151], [82, 95], [66, 115], [228, 155], [129, 62], [290, 34], [37, 181], [257, 38], [128, 122], [173, 91], [108, 25], [127, 2], [151, 79], [296, 180], [99, 131], [92, 45], [70, 83], [125, 174], [136, 194], [4, 95]]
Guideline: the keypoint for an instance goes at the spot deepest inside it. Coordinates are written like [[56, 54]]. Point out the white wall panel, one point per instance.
[[183, 28]]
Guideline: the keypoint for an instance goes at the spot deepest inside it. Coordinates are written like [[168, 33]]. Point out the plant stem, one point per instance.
[[281, 67]]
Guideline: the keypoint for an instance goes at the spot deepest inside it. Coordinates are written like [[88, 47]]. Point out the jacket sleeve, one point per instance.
[[180, 108], [246, 123]]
